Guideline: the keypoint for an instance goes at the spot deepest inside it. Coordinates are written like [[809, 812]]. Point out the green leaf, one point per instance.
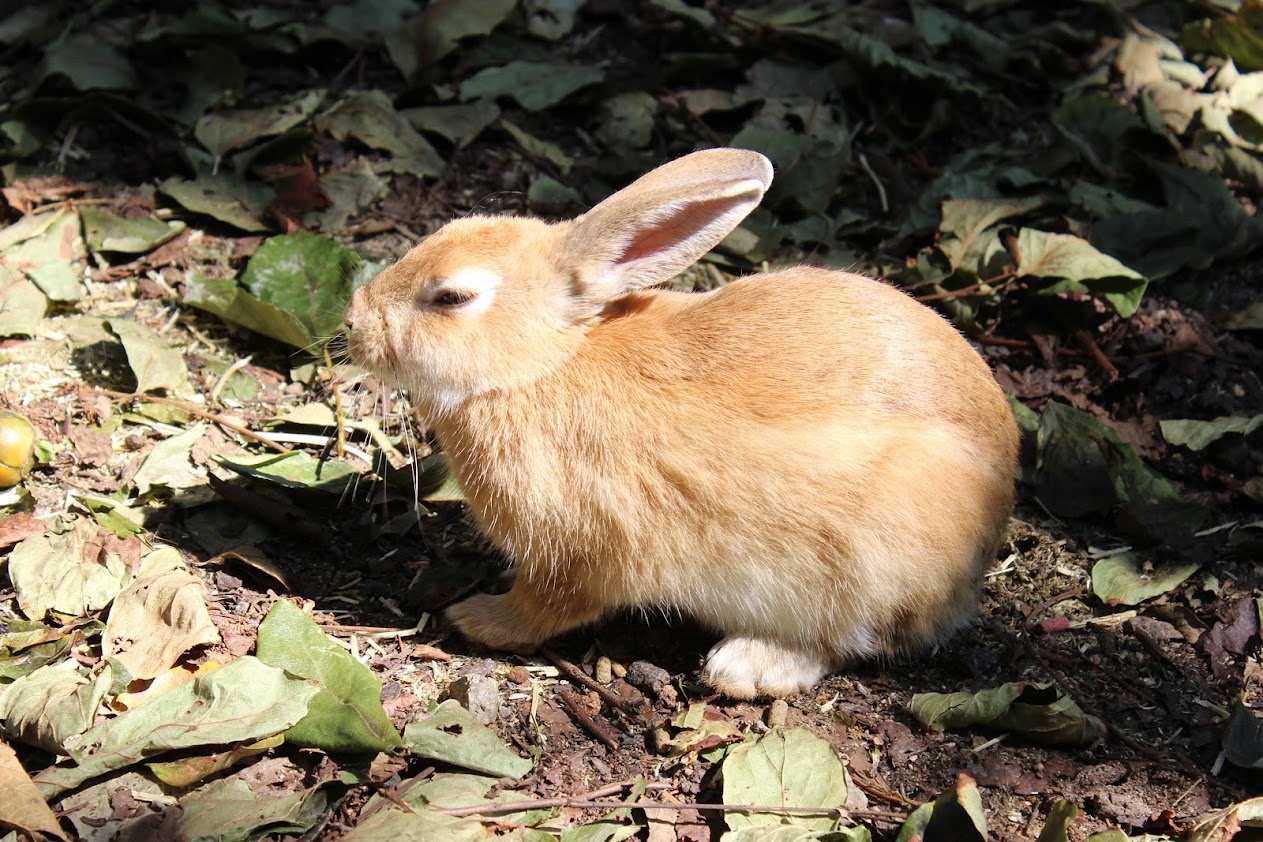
[[1122, 579], [46, 252], [157, 366], [168, 465], [306, 274], [1057, 826], [296, 469], [392, 824], [230, 810], [89, 62], [22, 305], [1251, 318], [1197, 435], [1237, 36], [791, 768], [371, 118], [1083, 467], [459, 124], [427, 38], [537, 148], [451, 735], [534, 85], [966, 220], [68, 573], [1243, 738], [601, 831], [51, 705], [245, 700], [105, 231], [229, 200], [224, 131], [1080, 268], [230, 302], [956, 815], [1039, 713], [346, 714]]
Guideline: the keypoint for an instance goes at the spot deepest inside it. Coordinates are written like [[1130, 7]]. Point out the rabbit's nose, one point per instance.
[[353, 308]]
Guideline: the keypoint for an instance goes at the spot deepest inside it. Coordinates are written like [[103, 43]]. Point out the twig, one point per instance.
[[891, 797], [198, 412], [1001, 280], [590, 723], [1089, 344], [228, 372], [636, 712], [881, 189], [592, 800], [1034, 613]]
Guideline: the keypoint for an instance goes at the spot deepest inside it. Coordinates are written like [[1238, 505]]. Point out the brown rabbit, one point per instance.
[[808, 461]]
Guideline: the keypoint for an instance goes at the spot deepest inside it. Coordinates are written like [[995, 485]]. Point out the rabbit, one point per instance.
[[807, 461]]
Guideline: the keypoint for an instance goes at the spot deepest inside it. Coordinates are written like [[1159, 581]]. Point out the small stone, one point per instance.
[[659, 740], [520, 675], [479, 695], [618, 669], [777, 713], [603, 671], [647, 676]]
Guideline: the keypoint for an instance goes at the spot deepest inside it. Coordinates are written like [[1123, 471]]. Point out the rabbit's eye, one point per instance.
[[451, 298]]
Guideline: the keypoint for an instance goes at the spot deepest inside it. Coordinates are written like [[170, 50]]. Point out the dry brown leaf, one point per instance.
[[157, 619], [21, 805]]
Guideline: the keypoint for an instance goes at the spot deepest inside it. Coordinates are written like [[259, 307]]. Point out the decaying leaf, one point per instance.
[[168, 464], [207, 711], [52, 705], [105, 231], [452, 735], [1039, 713], [155, 620], [956, 814], [1197, 435], [1123, 579], [21, 805], [791, 768], [231, 809], [346, 712], [1243, 738]]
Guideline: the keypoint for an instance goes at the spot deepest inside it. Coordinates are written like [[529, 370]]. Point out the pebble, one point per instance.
[[520, 675], [647, 676], [603, 671], [777, 712], [479, 695]]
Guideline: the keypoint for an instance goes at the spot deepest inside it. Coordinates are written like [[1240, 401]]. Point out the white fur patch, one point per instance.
[[480, 284]]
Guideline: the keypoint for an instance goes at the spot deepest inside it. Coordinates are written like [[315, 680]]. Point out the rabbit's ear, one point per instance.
[[658, 225]]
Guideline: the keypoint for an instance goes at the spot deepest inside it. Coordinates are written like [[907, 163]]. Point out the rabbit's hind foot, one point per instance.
[[750, 668]]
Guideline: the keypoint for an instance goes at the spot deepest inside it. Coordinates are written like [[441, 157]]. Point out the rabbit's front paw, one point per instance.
[[748, 668], [491, 621]]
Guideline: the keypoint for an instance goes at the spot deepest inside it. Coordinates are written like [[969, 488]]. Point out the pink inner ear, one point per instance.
[[683, 224]]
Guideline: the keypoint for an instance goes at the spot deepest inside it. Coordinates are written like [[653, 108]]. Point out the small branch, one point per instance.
[[638, 713], [602, 731], [592, 800], [1089, 344], [881, 188], [194, 410]]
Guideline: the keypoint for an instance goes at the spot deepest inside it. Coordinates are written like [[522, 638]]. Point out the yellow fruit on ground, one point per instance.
[[17, 448]]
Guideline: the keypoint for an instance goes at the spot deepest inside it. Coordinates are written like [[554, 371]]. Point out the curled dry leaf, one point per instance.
[[1040, 713], [155, 620]]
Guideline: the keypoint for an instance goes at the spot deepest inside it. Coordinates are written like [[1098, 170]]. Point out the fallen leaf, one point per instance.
[[155, 620], [791, 768], [534, 85], [956, 814], [21, 805], [226, 299], [51, 706], [105, 231], [452, 735], [231, 809], [214, 709], [169, 464], [346, 712], [1197, 435], [224, 131], [1040, 713], [187, 771], [307, 275], [1122, 580]]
